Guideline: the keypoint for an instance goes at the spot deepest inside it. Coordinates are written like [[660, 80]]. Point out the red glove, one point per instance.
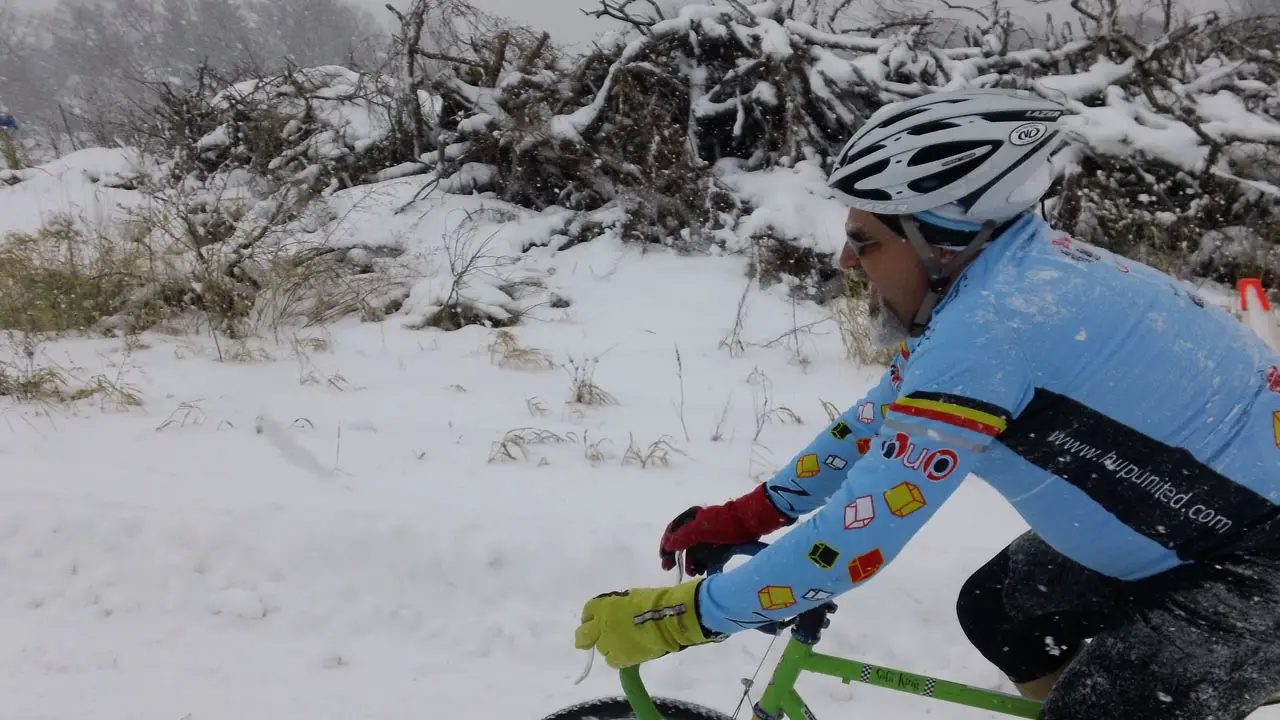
[[748, 518]]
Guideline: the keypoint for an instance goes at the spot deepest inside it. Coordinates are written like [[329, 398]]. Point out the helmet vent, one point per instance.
[[944, 178], [945, 150], [902, 116], [932, 127], [872, 194], [850, 181], [862, 153]]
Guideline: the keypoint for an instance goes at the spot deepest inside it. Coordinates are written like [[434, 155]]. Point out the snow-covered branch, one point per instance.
[[1175, 132]]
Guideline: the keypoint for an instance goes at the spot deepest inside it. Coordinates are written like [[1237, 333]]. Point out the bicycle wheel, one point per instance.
[[617, 708]]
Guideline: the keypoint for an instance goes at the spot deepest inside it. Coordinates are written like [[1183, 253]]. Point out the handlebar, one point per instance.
[[808, 624], [717, 556]]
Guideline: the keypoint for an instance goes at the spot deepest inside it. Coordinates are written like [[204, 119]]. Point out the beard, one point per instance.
[[886, 331]]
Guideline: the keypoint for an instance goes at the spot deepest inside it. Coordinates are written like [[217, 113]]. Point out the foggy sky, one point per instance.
[[569, 26]]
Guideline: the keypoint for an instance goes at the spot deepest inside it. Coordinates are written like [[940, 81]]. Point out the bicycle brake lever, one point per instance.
[[591, 658]]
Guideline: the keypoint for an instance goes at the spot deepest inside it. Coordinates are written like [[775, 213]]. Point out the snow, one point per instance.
[[791, 202], [323, 525], [1097, 78], [1226, 116], [314, 529], [221, 137], [1121, 127], [78, 186]]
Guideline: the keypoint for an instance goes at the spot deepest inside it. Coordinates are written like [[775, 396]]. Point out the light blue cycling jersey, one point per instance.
[[1133, 429]]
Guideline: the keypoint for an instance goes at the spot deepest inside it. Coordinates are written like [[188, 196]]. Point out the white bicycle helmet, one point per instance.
[[951, 169], [972, 155]]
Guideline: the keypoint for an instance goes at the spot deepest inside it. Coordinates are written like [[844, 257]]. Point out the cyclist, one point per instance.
[[1136, 432]]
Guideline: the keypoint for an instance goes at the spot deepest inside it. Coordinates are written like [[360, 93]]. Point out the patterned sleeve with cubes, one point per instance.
[[806, 482], [953, 404]]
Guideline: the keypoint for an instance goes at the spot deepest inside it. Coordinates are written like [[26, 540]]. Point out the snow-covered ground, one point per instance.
[[326, 527]]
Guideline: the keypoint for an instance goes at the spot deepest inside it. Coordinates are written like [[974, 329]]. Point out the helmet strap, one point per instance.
[[940, 274]]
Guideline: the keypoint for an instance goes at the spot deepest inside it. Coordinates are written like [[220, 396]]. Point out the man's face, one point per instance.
[[898, 280]]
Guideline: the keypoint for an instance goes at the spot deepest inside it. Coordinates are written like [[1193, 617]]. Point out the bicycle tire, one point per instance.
[[617, 708]]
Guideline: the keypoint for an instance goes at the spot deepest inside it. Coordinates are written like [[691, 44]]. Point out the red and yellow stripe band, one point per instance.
[[954, 410]]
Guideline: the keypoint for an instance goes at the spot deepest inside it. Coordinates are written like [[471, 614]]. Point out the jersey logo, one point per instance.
[[937, 465], [1079, 254]]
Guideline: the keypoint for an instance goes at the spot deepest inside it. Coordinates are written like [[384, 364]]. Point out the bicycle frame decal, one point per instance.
[[799, 657]]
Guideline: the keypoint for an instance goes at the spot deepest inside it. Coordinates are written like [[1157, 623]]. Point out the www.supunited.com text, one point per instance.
[[1159, 488]]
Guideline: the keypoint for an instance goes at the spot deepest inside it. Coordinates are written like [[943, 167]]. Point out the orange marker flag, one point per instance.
[[1244, 284], [1258, 315]]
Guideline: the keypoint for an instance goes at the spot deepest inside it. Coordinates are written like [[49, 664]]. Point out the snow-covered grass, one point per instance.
[[368, 520], [323, 534]]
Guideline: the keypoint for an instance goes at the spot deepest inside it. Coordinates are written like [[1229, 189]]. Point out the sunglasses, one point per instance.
[[856, 242]]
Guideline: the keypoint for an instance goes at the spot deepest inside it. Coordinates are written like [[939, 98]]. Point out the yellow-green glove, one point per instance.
[[641, 624]]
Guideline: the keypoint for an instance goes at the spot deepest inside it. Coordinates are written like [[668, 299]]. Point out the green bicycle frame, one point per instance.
[[780, 697]]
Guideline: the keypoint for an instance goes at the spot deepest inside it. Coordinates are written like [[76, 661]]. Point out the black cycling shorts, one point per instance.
[[1200, 642]]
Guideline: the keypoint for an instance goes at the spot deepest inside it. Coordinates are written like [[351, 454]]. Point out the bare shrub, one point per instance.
[[583, 389], [11, 151], [29, 383], [188, 411], [658, 452], [65, 277], [469, 260], [537, 406], [317, 287], [515, 444], [830, 409], [718, 433], [593, 451], [110, 392], [506, 351], [27, 377], [763, 405]]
